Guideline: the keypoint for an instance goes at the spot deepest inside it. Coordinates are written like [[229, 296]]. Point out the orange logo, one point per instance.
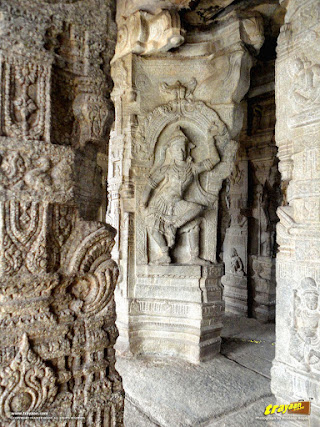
[[302, 408]]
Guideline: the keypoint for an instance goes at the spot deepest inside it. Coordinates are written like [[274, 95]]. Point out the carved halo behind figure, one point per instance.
[[199, 149], [195, 118]]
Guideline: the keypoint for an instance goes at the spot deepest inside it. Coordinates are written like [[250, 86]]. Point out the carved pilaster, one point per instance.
[[236, 242], [295, 372], [174, 143], [57, 278]]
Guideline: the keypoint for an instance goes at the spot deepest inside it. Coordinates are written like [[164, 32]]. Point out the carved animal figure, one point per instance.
[[39, 178]]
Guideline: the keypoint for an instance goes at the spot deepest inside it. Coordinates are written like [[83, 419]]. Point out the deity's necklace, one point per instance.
[[182, 170]]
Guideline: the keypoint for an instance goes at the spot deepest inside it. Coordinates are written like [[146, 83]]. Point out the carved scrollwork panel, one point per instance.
[[88, 258]]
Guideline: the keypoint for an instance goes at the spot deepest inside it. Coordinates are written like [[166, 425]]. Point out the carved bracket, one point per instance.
[[144, 34]]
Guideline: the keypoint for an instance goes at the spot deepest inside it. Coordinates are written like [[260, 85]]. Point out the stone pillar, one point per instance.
[[296, 369], [57, 317], [177, 120], [235, 245], [264, 195], [266, 198]]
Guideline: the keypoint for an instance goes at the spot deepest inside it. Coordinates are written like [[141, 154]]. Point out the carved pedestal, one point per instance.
[[235, 294], [177, 311]]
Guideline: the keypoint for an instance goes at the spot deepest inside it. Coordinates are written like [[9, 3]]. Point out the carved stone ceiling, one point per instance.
[[196, 13], [204, 10], [127, 7], [201, 10]]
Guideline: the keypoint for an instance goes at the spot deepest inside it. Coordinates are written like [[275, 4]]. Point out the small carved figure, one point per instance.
[[39, 178], [180, 91], [236, 263], [305, 331], [12, 169], [265, 234], [306, 75], [166, 210]]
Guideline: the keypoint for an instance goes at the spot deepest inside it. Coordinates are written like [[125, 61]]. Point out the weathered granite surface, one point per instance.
[[57, 278], [296, 369]]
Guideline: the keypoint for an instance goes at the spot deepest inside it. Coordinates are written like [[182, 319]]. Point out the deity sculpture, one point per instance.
[[305, 331], [163, 202], [306, 81], [265, 233], [236, 263]]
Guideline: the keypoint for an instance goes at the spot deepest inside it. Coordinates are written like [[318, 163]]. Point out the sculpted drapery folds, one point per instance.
[[163, 202]]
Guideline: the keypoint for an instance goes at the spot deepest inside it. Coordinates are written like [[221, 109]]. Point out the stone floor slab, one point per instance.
[[230, 390], [179, 394]]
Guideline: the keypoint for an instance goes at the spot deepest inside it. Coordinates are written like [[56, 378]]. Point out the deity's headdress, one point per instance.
[[176, 136], [308, 285]]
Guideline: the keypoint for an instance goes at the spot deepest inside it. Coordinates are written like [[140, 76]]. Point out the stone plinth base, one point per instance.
[[235, 294], [264, 289], [291, 385], [177, 311], [122, 306]]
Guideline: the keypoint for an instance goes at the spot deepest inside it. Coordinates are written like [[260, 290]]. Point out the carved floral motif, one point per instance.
[[25, 102], [27, 384]]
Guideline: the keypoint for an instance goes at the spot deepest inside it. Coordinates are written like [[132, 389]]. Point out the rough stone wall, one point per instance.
[[57, 316], [296, 369]]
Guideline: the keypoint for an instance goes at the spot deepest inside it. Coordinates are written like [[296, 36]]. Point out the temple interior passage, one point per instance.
[[159, 213]]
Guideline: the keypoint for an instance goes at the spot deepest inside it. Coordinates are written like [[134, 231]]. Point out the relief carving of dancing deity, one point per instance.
[[163, 203], [306, 75], [305, 339]]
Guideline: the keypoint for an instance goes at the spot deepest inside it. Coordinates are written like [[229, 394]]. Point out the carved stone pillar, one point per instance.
[[177, 118], [57, 317], [235, 245], [296, 369], [266, 198]]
